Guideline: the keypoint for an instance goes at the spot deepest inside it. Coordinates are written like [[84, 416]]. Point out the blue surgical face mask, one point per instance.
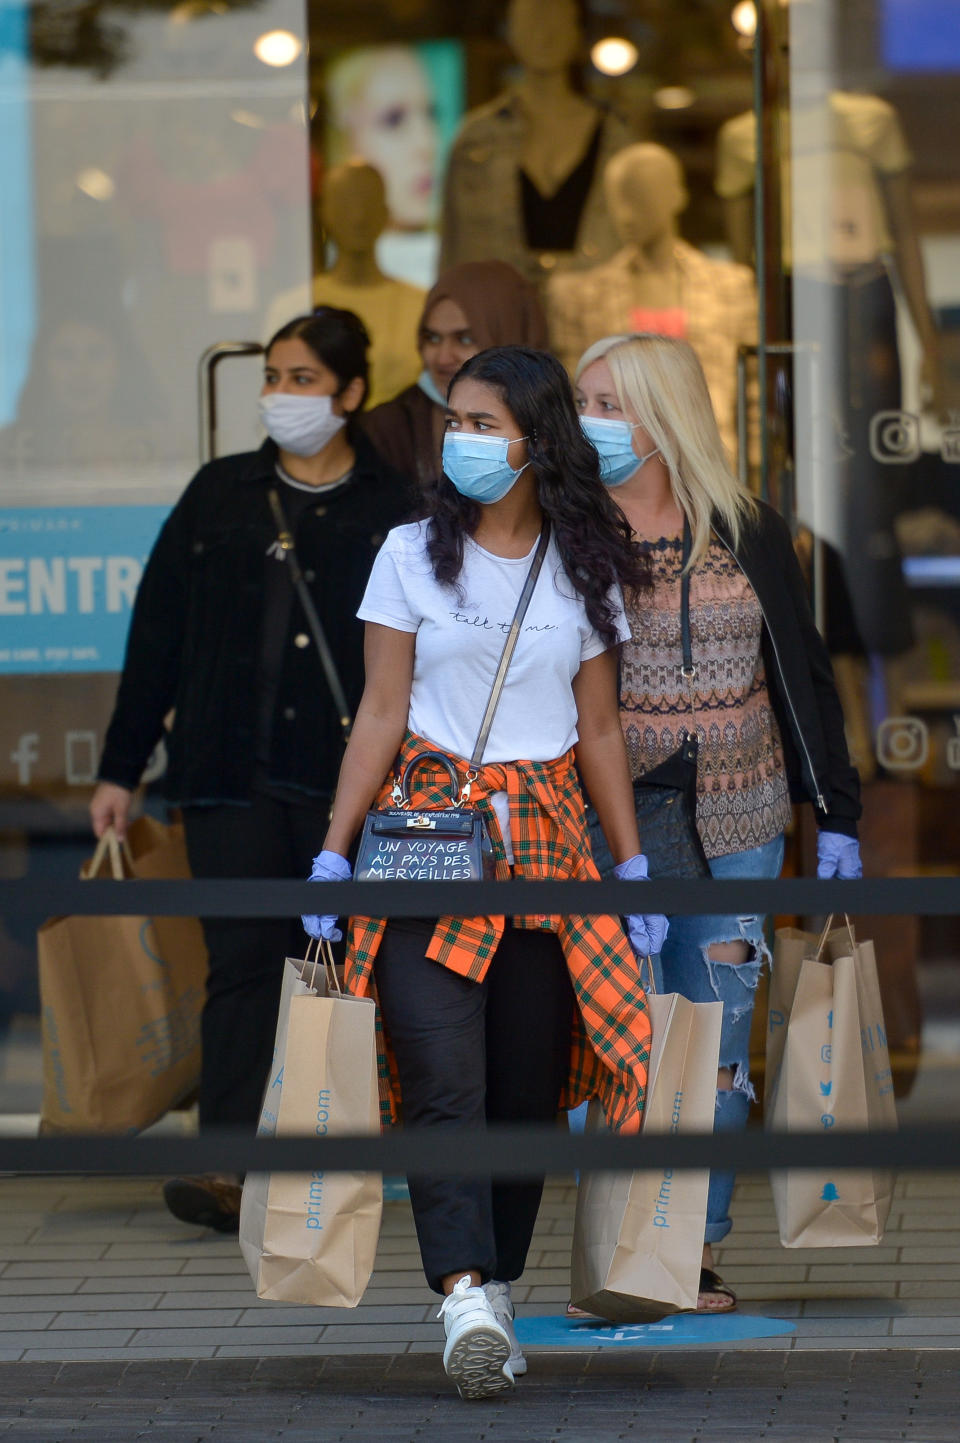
[[613, 442], [478, 465], [430, 388]]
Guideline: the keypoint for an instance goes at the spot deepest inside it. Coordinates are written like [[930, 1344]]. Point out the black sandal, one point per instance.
[[712, 1283]]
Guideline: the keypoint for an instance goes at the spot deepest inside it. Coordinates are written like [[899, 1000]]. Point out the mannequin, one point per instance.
[[523, 182], [353, 209], [849, 237], [656, 282], [870, 214]]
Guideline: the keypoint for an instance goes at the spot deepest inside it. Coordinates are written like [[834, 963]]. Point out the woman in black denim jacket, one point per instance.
[[220, 638]]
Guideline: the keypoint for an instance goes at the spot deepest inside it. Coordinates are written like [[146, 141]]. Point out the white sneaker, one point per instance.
[[478, 1348], [498, 1296]]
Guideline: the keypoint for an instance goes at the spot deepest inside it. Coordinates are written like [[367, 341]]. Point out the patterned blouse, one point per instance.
[[743, 798]]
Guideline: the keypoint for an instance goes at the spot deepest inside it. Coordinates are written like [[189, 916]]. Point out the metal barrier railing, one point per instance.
[[504, 1151]]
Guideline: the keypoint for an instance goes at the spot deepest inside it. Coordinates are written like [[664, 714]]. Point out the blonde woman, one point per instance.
[[762, 701]]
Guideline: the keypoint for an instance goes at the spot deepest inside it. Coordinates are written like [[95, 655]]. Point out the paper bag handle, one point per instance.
[[651, 984], [322, 957], [828, 927], [118, 852]]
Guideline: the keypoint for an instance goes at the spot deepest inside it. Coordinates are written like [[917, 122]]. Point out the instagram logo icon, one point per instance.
[[894, 437], [953, 747], [903, 743]]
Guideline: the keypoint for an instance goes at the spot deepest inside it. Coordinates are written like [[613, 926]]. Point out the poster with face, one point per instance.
[[398, 107]]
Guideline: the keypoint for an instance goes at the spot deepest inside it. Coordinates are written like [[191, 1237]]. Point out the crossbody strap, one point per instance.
[[285, 539], [509, 647], [688, 670]]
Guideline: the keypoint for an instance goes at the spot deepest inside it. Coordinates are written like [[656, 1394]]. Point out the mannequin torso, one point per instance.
[[354, 215], [535, 136], [657, 282]]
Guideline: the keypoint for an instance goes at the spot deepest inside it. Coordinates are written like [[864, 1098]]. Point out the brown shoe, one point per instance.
[[209, 1201]]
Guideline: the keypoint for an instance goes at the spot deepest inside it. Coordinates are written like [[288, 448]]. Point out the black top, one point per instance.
[[197, 633], [551, 223]]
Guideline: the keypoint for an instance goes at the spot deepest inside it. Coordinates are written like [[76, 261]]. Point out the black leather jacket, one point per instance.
[[799, 675], [194, 641]]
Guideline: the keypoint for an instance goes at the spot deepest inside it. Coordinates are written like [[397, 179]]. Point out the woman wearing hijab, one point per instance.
[[472, 307]]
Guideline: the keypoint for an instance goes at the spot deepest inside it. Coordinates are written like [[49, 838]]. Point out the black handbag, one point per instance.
[[666, 798], [442, 844]]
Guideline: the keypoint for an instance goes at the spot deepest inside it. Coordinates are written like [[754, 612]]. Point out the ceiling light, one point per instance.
[[614, 56], [743, 18], [277, 47], [96, 183], [674, 97]]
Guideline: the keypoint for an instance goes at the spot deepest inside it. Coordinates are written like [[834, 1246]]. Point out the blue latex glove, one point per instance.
[[328, 867], [838, 856], [647, 933]]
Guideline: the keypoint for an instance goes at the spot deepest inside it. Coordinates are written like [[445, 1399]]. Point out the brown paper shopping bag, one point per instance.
[[312, 1237], [638, 1236], [120, 1000], [828, 1066]]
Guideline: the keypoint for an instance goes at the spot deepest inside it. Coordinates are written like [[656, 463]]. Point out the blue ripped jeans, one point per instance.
[[686, 968], [683, 966]]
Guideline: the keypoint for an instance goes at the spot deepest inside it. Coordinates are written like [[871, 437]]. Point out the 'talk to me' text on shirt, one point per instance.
[[460, 633]]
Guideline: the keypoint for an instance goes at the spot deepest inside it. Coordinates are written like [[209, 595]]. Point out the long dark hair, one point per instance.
[[339, 339], [592, 534]]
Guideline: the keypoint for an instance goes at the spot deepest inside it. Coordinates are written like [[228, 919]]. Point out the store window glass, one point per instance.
[[859, 222], [178, 175], [154, 200]]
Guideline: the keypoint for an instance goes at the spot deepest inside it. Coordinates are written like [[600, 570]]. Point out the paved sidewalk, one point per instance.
[[95, 1269], [117, 1324], [670, 1397]]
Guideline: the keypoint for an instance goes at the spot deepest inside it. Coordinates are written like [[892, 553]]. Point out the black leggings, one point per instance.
[[469, 1053]]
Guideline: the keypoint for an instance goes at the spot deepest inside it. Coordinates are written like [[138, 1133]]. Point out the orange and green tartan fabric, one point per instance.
[[610, 1042]]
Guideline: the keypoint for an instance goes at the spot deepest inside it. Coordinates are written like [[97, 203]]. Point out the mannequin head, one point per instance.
[[353, 206], [645, 193], [544, 35]]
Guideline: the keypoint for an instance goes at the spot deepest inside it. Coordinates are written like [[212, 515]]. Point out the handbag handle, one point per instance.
[[438, 759], [287, 546]]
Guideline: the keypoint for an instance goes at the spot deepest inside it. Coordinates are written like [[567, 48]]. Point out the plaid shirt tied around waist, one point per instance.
[[610, 1041]]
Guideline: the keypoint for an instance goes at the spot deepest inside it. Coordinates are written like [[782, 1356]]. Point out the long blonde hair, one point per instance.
[[660, 381]]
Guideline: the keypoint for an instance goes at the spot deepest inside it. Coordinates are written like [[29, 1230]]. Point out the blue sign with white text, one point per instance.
[[68, 578]]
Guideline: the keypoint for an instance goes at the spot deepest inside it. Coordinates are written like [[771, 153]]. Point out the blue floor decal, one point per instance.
[[681, 1330]]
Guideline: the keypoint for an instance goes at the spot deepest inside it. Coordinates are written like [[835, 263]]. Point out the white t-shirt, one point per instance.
[[459, 643]]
